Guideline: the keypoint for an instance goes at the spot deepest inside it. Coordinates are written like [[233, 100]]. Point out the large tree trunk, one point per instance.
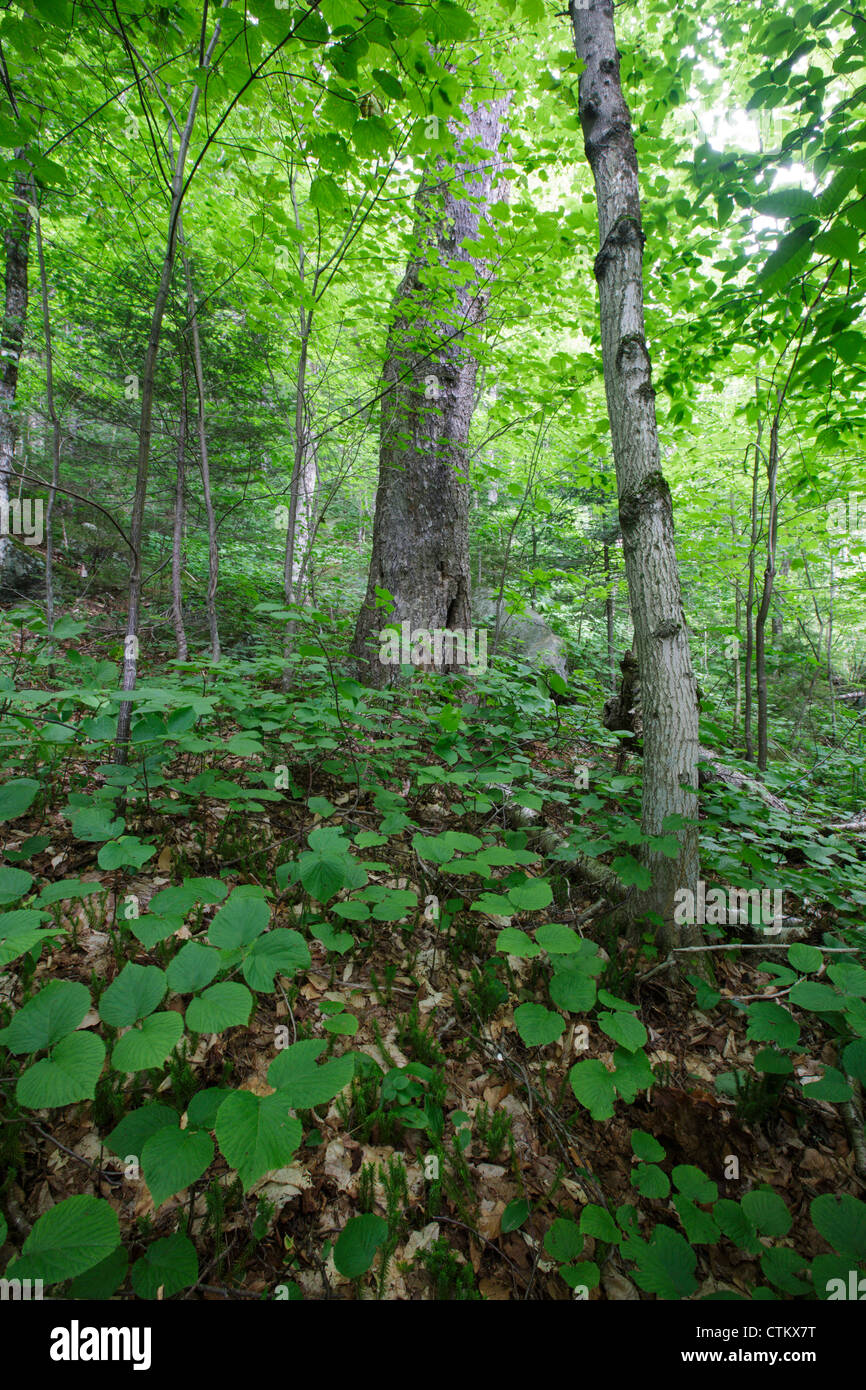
[[421, 524], [669, 690], [17, 240]]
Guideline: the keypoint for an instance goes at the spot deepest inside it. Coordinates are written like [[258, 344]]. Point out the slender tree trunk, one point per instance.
[[421, 522], [177, 556], [145, 428], [766, 594], [830, 684], [609, 619], [17, 242], [213, 557], [55, 434], [669, 689], [750, 603]]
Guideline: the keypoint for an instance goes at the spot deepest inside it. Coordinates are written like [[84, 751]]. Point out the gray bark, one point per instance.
[[421, 523], [204, 463], [55, 433], [669, 689], [145, 428], [177, 531], [767, 595], [17, 243]]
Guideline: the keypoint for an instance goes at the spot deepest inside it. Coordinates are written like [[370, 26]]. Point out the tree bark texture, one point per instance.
[[669, 690], [17, 245], [421, 524]]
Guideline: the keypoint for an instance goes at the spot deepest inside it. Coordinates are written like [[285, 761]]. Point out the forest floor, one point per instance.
[[509, 1124]]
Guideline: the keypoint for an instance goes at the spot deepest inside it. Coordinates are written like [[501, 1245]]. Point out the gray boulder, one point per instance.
[[524, 635], [22, 573]]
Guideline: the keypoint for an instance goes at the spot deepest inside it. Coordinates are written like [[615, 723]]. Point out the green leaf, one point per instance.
[[532, 895], [69, 1074], [806, 959], [631, 872], [769, 1022], [736, 1224], [693, 1183], [623, 1028], [770, 1061], [256, 1133], [192, 968], [808, 994], [95, 823], [789, 258], [517, 943], [128, 850], [597, 1221], [16, 797], [280, 952], [563, 1240], [632, 1074], [177, 901], [172, 1158], [557, 940], [832, 1086], [357, 1244], [699, 1226], [665, 1265], [46, 1018], [129, 1137], [854, 1060], [332, 940], [103, 1279], [782, 1266], [514, 1215], [69, 1238], [650, 1180], [538, 1026], [221, 1006], [646, 1146], [239, 922], [593, 1087], [14, 883], [294, 1072], [842, 1222], [204, 1107], [572, 990], [767, 1212], [170, 1264], [133, 995], [148, 1044]]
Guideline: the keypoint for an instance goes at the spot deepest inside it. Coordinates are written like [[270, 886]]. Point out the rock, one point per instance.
[[22, 572], [524, 635]]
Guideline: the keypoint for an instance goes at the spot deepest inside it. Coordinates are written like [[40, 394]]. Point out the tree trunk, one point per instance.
[[766, 594], [750, 604], [145, 428], [55, 436], [179, 521], [17, 240], [609, 620], [213, 555], [421, 523], [669, 689]]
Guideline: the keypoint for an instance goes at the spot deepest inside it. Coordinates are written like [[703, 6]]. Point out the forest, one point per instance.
[[433, 656]]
